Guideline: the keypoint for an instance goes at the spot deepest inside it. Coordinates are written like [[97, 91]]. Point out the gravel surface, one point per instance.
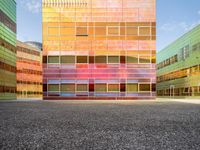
[[99, 125]]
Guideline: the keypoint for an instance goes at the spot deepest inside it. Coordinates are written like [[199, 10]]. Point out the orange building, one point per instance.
[[29, 71], [99, 49]]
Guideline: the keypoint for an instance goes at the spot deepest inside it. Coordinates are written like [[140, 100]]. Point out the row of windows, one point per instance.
[[7, 45], [29, 71], [102, 31], [168, 62], [28, 51], [98, 59], [194, 70], [99, 87], [28, 61], [29, 82], [186, 91], [7, 67], [7, 21], [29, 92], [5, 89]]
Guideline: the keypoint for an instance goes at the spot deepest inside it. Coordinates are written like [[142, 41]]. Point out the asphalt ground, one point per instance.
[[136, 125]]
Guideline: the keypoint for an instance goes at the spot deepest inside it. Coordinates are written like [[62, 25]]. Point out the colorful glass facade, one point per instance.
[[29, 71], [99, 49], [178, 67], [7, 49]]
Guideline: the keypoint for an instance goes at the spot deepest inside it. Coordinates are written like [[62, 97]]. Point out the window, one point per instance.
[[53, 87], [132, 87], [100, 87], [145, 59], [67, 87], [113, 31], [81, 31], [132, 31], [82, 59], [82, 87], [113, 87], [53, 59], [145, 31], [68, 59], [100, 31], [132, 59], [113, 59], [67, 31], [185, 52], [100, 59], [145, 87]]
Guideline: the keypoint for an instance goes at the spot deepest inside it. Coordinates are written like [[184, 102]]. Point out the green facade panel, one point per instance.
[[8, 49], [178, 67]]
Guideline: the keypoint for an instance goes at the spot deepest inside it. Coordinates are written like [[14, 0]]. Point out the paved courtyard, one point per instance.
[[158, 125]]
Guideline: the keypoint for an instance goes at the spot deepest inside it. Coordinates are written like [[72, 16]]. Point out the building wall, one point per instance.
[[99, 49], [29, 71], [7, 49], [178, 67]]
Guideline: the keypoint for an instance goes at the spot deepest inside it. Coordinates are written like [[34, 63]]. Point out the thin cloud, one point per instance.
[[33, 6]]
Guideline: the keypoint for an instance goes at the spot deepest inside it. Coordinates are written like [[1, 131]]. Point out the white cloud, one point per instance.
[[33, 6]]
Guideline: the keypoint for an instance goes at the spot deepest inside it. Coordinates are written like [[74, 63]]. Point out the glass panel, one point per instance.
[[53, 31], [100, 59], [113, 87], [145, 31], [68, 59], [67, 31], [113, 59], [100, 30], [145, 59], [100, 87], [132, 87], [113, 30], [81, 31], [132, 59], [82, 59], [132, 31], [53, 59], [82, 87], [53, 87], [145, 87], [67, 87]]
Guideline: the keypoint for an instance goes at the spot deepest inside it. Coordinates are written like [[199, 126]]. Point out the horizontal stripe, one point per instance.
[[30, 71], [28, 61], [7, 45], [7, 21], [28, 82], [7, 89], [28, 51], [7, 67]]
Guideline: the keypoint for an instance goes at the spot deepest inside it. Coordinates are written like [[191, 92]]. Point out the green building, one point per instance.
[[178, 67], [7, 49]]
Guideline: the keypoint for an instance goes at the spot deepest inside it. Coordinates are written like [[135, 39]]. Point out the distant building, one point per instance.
[[37, 45], [178, 67], [7, 49], [29, 71], [99, 49]]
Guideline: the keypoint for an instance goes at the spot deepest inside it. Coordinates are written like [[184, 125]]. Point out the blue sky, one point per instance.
[[174, 18]]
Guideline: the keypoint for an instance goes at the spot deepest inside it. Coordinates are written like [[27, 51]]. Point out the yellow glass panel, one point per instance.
[[132, 31], [53, 31], [67, 31]]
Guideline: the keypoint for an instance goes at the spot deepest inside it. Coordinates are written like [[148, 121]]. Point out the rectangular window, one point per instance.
[[132, 59], [113, 31], [145, 31], [82, 59], [100, 31], [67, 31], [67, 87], [113, 59], [132, 87], [100, 87], [53, 59], [132, 31], [100, 59], [81, 31], [145, 59], [113, 87], [68, 59], [53, 87], [82, 88], [145, 87]]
